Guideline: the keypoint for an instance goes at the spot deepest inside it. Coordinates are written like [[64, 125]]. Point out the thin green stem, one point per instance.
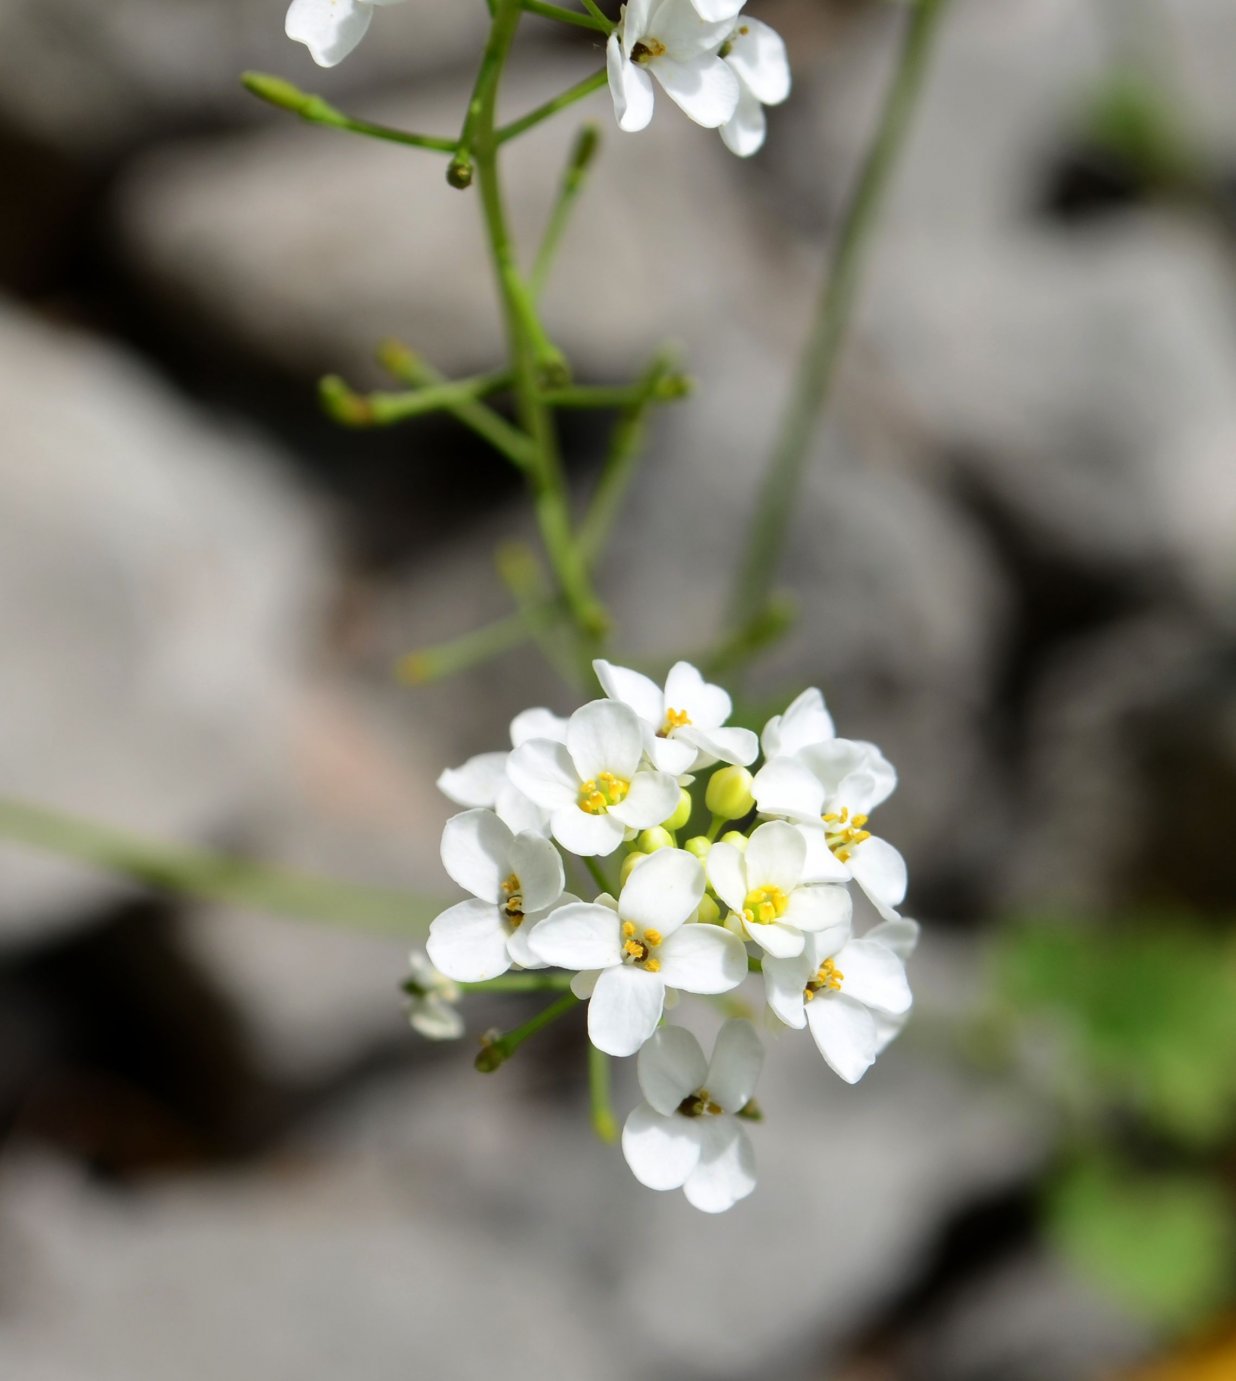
[[277, 92], [604, 1123], [664, 388], [563, 16], [426, 664], [714, 827], [552, 107], [497, 1051], [598, 14], [214, 877], [598, 875], [810, 394], [385, 409], [519, 983], [583, 150]]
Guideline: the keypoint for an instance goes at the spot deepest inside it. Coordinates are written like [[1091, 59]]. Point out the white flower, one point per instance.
[[683, 724], [685, 1134], [756, 55], [631, 952], [901, 936], [593, 785], [764, 888], [432, 998], [514, 879], [717, 11], [840, 991], [835, 786], [669, 40], [804, 722], [482, 781], [330, 29]]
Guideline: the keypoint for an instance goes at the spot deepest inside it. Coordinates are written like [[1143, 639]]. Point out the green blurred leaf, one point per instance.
[[1131, 118]]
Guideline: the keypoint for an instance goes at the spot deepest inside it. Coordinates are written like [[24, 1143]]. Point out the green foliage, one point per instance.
[[1131, 118]]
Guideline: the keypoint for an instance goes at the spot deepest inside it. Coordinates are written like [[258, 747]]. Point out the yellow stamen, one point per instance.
[[598, 794], [652, 966], [828, 977], [674, 719], [652, 937], [635, 950], [844, 833], [628, 928], [513, 906], [764, 905]]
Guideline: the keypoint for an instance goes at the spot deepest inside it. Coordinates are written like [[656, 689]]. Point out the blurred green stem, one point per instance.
[[497, 1051], [603, 1121]]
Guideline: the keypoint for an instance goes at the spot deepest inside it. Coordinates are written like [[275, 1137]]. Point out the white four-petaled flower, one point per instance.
[[629, 953], [330, 29], [514, 879], [684, 724], [432, 999], [756, 55], [482, 781], [685, 1134]]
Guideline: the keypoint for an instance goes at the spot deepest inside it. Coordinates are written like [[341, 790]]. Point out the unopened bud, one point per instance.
[[682, 812], [658, 837], [699, 845], [628, 865], [709, 912], [735, 837], [729, 793]]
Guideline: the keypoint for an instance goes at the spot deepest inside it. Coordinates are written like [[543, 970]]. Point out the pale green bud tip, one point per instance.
[[698, 845], [682, 812], [729, 793], [459, 171], [709, 912], [343, 404], [586, 142], [658, 837], [493, 1054], [628, 865], [735, 837], [275, 91]]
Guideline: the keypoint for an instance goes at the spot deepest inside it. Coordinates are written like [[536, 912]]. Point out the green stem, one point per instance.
[[598, 876], [497, 1051], [598, 14], [214, 877], [810, 394], [604, 1123], [714, 827], [567, 98], [519, 983], [665, 388], [277, 92], [470, 649], [573, 178], [563, 16], [384, 409]]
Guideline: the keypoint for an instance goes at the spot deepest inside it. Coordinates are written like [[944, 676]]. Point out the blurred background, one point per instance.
[[223, 1151]]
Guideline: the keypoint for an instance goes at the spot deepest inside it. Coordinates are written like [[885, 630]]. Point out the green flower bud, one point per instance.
[[709, 912], [627, 864], [729, 793], [699, 845], [658, 837], [681, 814], [735, 837]]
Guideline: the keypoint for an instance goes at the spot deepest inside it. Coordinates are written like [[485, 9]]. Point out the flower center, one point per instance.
[[596, 796], [674, 719], [843, 832], [764, 905], [647, 49], [728, 46], [699, 1104], [638, 948], [512, 905], [827, 977]]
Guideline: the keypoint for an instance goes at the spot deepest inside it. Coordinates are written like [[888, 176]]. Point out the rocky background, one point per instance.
[[224, 1154]]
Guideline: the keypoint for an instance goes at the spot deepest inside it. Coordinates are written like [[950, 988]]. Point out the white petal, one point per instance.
[[578, 936], [675, 755], [726, 1169], [519, 944], [635, 21], [537, 723], [757, 54], [779, 940], [468, 942], [518, 813], [727, 875], [624, 1010], [632, 688], [775, 856], [819, 908], [805, 721], [704, 88], [629, 86], [853, 772], [820, 864], [583, 983], [476, 783], [653, 797], [881, 872], [586, 836], [670, 1066], [845, 1032], [707, 706], [900, 935], [538, 866], [714, 11], [744, 132], [888, 1029], [330, 29], [702, 959], [661, 1151], [663, 891], [872, 974], [786, 787], [475, 849], [784, 982], [544, 772], [684, 34], [734, 1069], [739, 746], [434, 1019], [604, 736]]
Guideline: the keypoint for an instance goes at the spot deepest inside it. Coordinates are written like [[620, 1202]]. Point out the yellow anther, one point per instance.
[[674, 719], [764, 905], [596, 796], [647, 49], [628, 928], [827, 976], [830, 818], [634, 949], [510, 884], [843, 855], [652, 937], [843, 833], [652, 966], [860, 820]]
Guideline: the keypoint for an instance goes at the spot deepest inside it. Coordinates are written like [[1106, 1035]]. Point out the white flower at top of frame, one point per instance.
[[840, 991], [668, 39], [717, 11], [764, 888], [805, 721], [514, 879], [431, 1000], [756, 55], [629, 953], [832, 787], [594, 785], [330, 29], [482, 782], [684, 724], [686, 1134]]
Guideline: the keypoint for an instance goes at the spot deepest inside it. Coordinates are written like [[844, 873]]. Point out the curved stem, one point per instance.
[[810, 395], [497, 1051]]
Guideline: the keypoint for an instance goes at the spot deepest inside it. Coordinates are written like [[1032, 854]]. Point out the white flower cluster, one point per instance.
[[719, 66], [772, 895]]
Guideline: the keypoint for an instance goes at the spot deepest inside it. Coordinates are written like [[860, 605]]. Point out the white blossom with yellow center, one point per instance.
[[330, 29], [515, 880], [756, 55], [684, 721], [630, 953], [850, 994], [769, 898], [687, 1134], [482, 781]]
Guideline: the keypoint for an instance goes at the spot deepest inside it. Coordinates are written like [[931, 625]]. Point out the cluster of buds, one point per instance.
[[766, 888]]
